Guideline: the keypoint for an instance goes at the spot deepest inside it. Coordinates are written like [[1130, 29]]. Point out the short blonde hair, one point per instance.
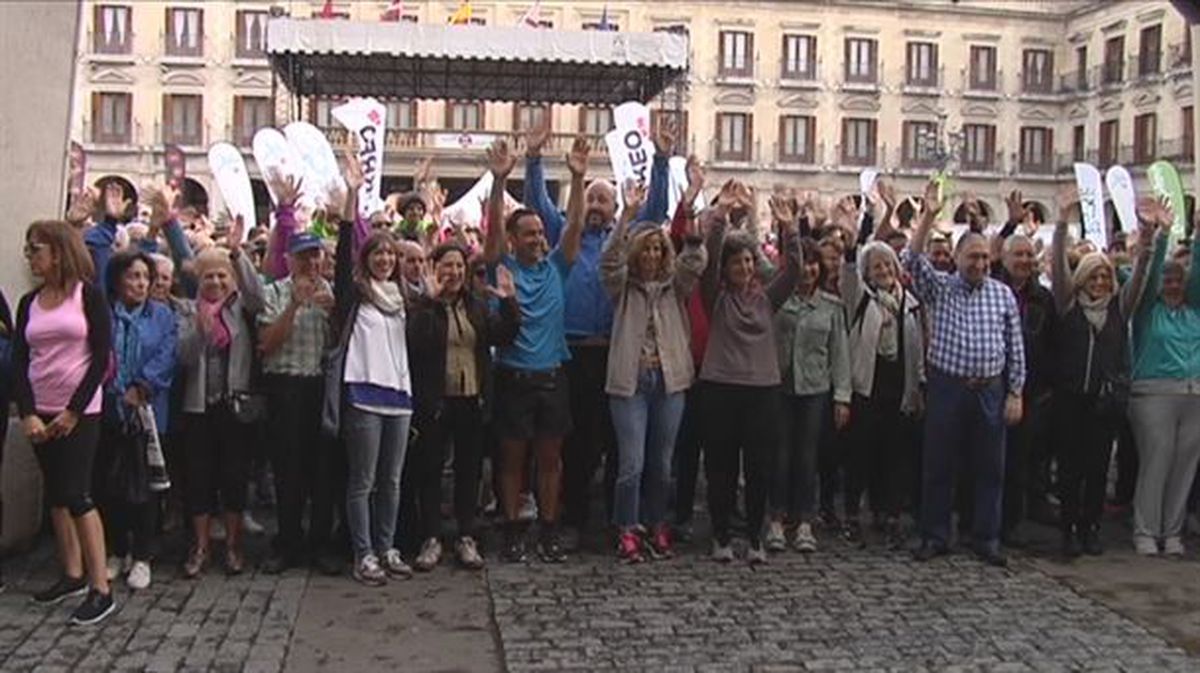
[[641, 238], [210, 258]]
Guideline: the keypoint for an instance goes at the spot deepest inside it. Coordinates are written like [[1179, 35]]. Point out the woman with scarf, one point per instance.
[[375, 400], [887, 371], [1092, 377], [740, 372], [144, 337], [1165, 402], [216, 352], [451, 331], [649, 368]]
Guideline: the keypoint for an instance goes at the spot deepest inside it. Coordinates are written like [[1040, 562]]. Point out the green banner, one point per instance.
[[1164, 180]]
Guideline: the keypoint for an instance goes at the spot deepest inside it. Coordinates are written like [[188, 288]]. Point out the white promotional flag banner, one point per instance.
[[1124, 198], [366, 118], [275, 155], [632, 115], [1091, 204], [679, 183], [866, 182], [229, 172], [631, 154], [323, 177]]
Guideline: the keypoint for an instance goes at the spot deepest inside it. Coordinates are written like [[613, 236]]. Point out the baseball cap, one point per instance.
[[303, 240]]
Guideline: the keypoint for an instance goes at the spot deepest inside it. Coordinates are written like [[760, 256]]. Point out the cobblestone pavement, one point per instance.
[[841, 609]]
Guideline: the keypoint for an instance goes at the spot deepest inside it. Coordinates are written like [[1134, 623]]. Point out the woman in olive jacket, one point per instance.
[[450, 334]]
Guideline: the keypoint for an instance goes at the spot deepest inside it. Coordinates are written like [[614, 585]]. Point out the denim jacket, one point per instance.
[[158, 334], [812, 342]]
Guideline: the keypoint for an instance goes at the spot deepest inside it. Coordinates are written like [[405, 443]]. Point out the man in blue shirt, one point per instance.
[[589, 313], [531, 411], [976, 372]]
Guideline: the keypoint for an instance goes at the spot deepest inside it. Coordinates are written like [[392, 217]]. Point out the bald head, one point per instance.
[[600, 204]]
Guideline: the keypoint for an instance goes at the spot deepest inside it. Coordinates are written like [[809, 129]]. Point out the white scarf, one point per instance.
[[386, 296]]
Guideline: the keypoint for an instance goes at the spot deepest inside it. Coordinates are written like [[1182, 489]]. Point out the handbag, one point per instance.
[[128, 473], [247, 406], [1112, 398]]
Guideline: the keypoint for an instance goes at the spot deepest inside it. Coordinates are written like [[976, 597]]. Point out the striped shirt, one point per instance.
[[976, 330]]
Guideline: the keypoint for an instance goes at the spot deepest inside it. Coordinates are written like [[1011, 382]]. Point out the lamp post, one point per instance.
[[942, 146]]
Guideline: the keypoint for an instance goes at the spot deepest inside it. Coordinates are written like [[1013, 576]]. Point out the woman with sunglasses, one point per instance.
[[61, 348]]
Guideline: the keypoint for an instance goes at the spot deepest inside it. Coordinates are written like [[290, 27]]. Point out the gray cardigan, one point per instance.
[[247, 300], [634, 301]]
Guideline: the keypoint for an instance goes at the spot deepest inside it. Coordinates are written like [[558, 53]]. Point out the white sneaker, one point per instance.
[[430, 556], [116, 567], [368, 572], [1145, 545], [722, 553], [529, 508], [216, 529], [394, 565], [775, 540], [250, 525], [139, 576], [756, 555], [805, 540], [468, 553], [1173, 546]]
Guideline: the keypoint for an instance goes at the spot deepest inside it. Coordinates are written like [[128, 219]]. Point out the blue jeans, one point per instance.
[[375, 447], [963, 423], [794, 472], [645, 425]]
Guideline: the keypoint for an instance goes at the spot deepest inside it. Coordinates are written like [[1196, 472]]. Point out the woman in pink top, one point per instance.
[[61, 352]]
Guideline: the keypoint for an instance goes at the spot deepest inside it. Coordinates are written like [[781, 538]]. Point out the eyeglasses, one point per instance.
[[32, 248]]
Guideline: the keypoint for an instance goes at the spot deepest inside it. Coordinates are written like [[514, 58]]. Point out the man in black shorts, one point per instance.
[[532, 410]]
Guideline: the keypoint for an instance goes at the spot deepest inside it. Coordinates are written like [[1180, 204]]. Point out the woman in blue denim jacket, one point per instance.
[[140, 374]]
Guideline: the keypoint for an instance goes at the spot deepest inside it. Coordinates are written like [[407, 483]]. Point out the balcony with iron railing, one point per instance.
[[847, 159], [928, 83], [869, 80], [198, 137], [1177, 150], [183, 50], [1110, 74], [743, 76], [1145, 68], [1037, 84], [745, 157], [456, 141], [810, 160], [110, 51], [791, 75], [982, 85], [128, 137], [1078, 82], [1035, 165], [985, 162], [1178, 57]]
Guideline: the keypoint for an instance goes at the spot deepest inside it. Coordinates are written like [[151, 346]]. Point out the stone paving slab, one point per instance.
[[841, 609]]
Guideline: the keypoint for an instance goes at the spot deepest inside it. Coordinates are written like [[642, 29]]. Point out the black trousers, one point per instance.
[[460, 422], [877, 457], [1127, 462], [687, 457], [1023, 443], [592, 436], [218, 461], [305, 462], [129, 526], [742, 430], [1085, 439], [831, 464]]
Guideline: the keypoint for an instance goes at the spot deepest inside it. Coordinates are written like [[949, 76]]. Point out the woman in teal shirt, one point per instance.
[[1165, 403]]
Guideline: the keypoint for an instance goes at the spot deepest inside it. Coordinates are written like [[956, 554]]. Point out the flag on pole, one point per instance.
[[461, 16], [532, 16], [394, 12], [327, 10], [604, 24]]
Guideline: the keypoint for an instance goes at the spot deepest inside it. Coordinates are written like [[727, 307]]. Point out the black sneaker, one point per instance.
[[514, 546], [94, 609], [1070, 542], [64, 588], [550, 548], [1091, 541]]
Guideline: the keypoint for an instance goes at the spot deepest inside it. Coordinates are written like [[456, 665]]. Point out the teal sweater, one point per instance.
[[1166, 341]]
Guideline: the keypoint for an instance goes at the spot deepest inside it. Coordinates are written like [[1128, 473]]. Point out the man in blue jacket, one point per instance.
[[589, 312]]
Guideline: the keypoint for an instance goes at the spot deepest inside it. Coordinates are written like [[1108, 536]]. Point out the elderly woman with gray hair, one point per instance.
[[1092, 375], [1165, 403]]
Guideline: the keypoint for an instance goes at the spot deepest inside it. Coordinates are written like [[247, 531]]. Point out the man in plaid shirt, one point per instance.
[[976, 373]]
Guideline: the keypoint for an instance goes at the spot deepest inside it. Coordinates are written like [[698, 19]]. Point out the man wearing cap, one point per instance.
[[294, 332], [589, 312], [976, 376]]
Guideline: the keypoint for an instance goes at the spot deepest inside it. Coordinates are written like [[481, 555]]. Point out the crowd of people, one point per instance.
[[839, 349]]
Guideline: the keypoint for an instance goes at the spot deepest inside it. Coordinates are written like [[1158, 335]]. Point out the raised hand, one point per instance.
[[1016, 206], [664, 136], [84, 206], [501, 159], [635, 195], [115, 203], [1066, 200], [577, 158], [423, 172], [695, 177], [285, 188], [237, 234], [536, 137], [785, 210], [505, 286], [353, 171], [433, 287], [727, 198], [932, 200], [845, 214], [162, 199]]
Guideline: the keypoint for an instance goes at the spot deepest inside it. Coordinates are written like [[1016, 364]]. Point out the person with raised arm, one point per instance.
[[532, 403], [649, 368], [976, 372]]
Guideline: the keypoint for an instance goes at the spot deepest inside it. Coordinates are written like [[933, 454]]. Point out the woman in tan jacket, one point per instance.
[[649, 368]]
